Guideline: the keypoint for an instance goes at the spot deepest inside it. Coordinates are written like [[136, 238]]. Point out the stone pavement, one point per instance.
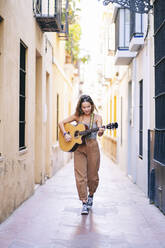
[[121, 216]]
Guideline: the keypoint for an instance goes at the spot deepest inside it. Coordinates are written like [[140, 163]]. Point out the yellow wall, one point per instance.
[[16, 167], [45, 78], [1, 86], [115, 113], [110, 113]]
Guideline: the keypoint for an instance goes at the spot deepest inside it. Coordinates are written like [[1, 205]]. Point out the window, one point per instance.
[[136, 22], [159, 35], [22, 96], [141, 119], [122, 29]]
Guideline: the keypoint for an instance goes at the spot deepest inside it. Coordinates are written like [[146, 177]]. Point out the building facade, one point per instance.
[[131, 91], [32, 76], [156, 135]]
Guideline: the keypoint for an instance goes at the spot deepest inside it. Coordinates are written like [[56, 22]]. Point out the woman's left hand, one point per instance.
[[101, 131]]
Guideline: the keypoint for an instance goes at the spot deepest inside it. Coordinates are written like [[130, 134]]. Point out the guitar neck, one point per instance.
[[92, 130], [89, 131]]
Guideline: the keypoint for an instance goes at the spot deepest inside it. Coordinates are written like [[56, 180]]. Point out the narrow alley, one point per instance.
[[121, 216]]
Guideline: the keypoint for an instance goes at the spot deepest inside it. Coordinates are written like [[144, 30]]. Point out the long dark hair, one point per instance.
[[84, 98]]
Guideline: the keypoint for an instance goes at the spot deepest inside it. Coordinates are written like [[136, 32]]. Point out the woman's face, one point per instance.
[[86, 108]]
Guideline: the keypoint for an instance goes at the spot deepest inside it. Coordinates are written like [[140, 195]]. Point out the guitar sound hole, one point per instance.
[[76, 134]]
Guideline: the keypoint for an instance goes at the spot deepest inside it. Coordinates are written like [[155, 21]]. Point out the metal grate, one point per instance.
[[159, 13], [159, 148], [159, 43], [159, 28], [52, 15]]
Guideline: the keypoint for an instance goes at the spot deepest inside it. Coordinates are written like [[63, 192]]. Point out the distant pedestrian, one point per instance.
[[87, 155]]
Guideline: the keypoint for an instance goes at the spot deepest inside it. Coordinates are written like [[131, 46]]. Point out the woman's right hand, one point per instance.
[[67, 137]]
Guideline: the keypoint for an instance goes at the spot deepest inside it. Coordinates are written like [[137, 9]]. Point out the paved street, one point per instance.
[[121, 216]]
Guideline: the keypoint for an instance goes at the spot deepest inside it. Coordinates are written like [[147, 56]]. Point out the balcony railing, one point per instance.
[[52, 15]]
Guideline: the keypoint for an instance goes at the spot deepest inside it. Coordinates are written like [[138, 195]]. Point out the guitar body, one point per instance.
[[72, 145], [78, 134]]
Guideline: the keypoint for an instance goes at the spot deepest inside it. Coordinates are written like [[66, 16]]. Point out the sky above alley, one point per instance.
[[90, 20]]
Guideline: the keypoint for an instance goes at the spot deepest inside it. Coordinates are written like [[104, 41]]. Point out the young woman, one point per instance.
[[87, 155]]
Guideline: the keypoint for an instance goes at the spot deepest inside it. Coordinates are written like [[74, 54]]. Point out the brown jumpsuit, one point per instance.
[[86, 166]]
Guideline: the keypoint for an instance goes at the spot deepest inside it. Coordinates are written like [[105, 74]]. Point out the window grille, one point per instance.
[[52, 15], [22, 96], [159, 13], [37, 6], [159, 36], [141, 119]]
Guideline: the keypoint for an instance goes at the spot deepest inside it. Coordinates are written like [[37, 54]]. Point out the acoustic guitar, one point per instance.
[[78, 134]]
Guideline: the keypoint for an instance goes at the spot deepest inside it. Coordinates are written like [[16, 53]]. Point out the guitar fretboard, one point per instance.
[[88, 131]]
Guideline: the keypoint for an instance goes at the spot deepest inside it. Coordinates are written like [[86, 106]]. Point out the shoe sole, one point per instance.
[[85, 213]]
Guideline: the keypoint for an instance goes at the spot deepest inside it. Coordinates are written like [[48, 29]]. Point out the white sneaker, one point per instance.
[[90, 201], [84, 210]]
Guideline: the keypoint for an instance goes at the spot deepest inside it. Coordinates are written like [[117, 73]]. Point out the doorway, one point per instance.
[[39, 165], [47, 109]]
